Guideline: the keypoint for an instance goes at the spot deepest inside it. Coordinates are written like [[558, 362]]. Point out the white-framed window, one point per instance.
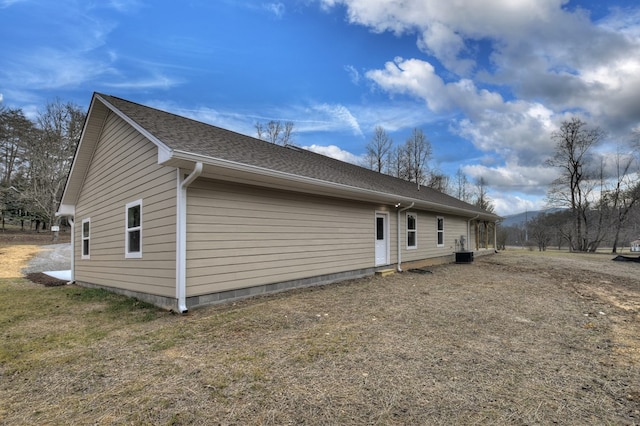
[[86, 238], [412, 230], [440, 231], [133, 230]]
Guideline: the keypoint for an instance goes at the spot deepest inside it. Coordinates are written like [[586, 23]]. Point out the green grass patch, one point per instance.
[[42, 325], [132, 309]]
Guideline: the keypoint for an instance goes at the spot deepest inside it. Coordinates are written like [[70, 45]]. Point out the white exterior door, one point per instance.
[[382, 239]]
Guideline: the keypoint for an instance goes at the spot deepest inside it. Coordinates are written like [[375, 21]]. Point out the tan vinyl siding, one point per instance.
[[428, 237], [123, 169], [241, 236]]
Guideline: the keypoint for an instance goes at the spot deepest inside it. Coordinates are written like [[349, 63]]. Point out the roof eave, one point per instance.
[[234, 171]]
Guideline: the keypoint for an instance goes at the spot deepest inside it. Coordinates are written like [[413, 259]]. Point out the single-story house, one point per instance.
[[635, 245], [182, 214]]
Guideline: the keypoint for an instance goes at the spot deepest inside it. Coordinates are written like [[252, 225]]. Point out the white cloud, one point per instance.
[[531, 180], [513, 204], [538, 51], [354, 75], [335, 152], [49, 68], [124, 6], [277, 9], [441, 23], [151, 82], [412, 77], [337, 116], [443, 43], [7, 3], [509, 128], [513, 188]]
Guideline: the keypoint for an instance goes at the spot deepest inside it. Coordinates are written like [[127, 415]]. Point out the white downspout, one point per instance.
[[399, 246], [70, 219], [469, 231], [181, 236]]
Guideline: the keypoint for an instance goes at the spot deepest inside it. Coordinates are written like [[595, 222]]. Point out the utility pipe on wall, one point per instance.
[[181, 237], [398, 223]]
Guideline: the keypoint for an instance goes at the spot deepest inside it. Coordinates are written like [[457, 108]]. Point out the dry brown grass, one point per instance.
[[14, 258], [515, 338]]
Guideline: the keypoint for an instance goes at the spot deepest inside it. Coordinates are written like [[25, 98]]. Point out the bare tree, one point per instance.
[[395, 161], [50, 155], [541, 231], [275, 132], [482, 200], [626, 193], [417, 154], [438, 181], [15, 131], [462, 191], [574, 186], [378, 149]]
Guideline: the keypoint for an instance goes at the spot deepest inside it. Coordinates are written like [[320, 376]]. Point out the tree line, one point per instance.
[[410, 161], [597, 197], [35, 160]]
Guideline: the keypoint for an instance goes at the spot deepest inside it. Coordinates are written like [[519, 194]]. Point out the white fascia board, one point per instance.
[[74, 164], [337, 188]]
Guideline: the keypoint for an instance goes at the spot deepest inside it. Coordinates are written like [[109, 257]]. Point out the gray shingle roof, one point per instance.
[[190, 136]]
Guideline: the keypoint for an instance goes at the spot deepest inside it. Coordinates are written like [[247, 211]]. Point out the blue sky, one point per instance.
[[487, 81]]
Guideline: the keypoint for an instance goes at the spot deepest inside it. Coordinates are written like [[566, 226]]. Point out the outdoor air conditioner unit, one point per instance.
[[463, 256]]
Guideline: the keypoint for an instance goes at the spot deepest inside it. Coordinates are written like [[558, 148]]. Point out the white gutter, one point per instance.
[[181, 235], [399, 246], [361, 193]]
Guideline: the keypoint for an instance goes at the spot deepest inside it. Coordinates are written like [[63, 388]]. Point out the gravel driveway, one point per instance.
[[54, 257]]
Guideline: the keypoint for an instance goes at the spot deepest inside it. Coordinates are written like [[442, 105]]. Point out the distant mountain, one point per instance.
[[519, 219]]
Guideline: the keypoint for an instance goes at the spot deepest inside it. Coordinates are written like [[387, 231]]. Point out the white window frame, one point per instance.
[[86, 238], [439, 231], [414, 231], [127, 230]]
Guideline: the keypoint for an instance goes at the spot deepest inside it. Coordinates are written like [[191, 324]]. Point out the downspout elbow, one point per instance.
[[197, 171], [399, 267]]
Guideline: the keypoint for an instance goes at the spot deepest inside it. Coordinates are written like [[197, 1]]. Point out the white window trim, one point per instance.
[[127, 254], [87, 238], [415, 215], [438, 231]]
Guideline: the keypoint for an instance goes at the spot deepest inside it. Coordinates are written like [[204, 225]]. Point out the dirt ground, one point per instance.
[[514, 338], [12, 236]]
